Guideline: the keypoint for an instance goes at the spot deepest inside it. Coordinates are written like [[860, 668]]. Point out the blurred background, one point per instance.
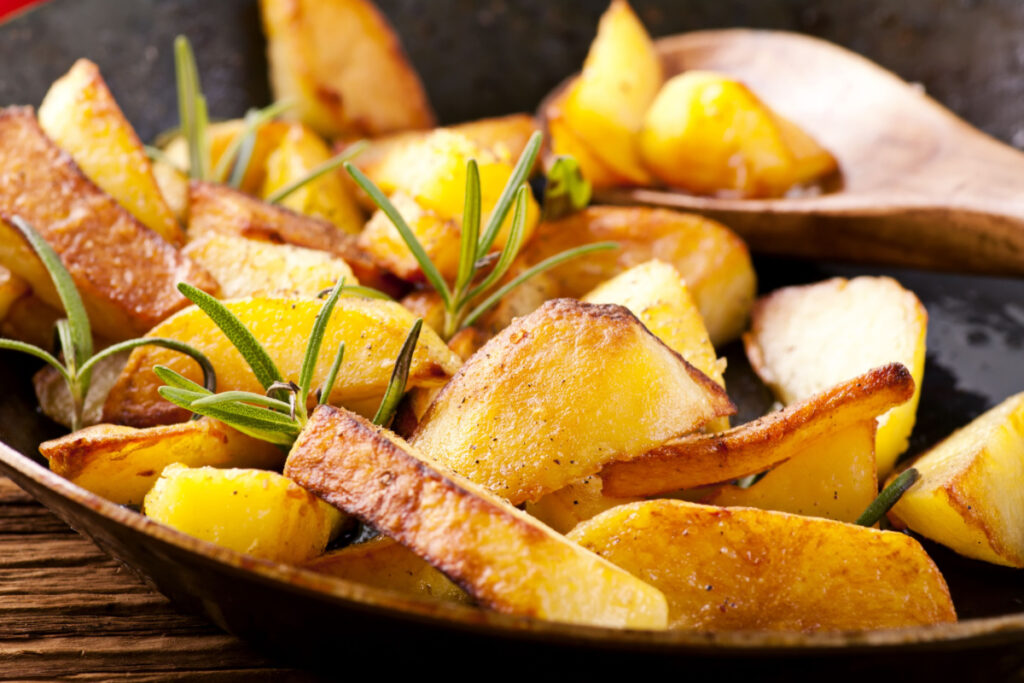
[[486, 57]]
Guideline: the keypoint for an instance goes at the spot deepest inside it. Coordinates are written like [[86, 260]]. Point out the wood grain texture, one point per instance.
[[69, 612]]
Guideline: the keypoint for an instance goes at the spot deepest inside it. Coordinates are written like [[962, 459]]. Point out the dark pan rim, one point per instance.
[[964, 634]]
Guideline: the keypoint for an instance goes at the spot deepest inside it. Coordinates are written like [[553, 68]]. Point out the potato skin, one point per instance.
[[530, 413], [502, 557], [125, 272], [701, 459], [741, 568]]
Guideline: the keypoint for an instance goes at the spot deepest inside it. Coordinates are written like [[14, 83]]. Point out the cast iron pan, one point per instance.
[[487, 58]]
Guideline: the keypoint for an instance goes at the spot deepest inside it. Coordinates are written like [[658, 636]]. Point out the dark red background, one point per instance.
[[11, 6]]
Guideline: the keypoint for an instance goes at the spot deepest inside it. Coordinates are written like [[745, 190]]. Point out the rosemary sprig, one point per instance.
[[889, 496], [75, 333], [566, 190], [471, 283], [279, 415], [192, 112], [236, 157]]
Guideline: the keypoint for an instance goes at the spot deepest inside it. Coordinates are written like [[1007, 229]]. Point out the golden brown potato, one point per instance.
[[709, 134], [219, 209], [30, 319], [251, 511], [805, 339], [563, 509], [343, 65], [700, 459], [82, 117], [714, 262], [971, 493], [327, 197], [832, 477], [125, 272], [382, 563], [426, 304], [371, 329], [439, 236], [564, 141], [245, 267], [741, 568], [12, 288], [561, 393], [621, 75], [501, 556], [122, 463]]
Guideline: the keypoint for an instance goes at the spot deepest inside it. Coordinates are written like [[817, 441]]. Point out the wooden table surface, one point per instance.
[[69, 612]]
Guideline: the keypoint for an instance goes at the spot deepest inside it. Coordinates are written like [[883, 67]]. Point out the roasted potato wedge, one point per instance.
[[82, 117], [439, 237], [714, 262], [12, 288], [621, 76], [30, 319], [382, 563], [342, 63], [709, 134], [372, 330], [805, 339], [741, 568], [125, 272], [564, 141], [122, 463], [700, 459], [971, 493], [530, 412], [245, 267], [563, 509], [501, 556], [327, 197], [252, 511]]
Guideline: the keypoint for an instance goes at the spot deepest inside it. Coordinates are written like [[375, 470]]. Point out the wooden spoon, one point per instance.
[[919, 186]]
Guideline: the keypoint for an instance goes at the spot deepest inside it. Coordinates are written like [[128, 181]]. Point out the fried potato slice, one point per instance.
[[252, 511], [700, 459], [245, 267], [971, 493], [327, 197], [501, 556], [709, 134], [125, 272], [219, 209], [530, 412], [440, 238], [563, 509], [714, 261], [741, 568], [621, 76], [82, 117], [807, 338], [833, 477], [343, 65], [371, 329], [122, 463], [383, 563]]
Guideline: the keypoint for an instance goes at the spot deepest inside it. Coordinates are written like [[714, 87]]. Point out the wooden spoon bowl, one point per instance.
[[919, 186]]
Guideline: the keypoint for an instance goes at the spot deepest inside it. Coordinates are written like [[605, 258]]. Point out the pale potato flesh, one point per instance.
[[122, 463], [563, 509], [82, 117], [531, 411], [439, 236], [372, 330], [971, 493], [805, 339], [701, 459], [742, 568], [501, 556], [251, 511]]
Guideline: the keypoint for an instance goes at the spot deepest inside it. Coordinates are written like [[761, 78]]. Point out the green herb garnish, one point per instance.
[[236, 157], [471, 285], [889, 496], [75, 334], [566, 191], [192, 112]]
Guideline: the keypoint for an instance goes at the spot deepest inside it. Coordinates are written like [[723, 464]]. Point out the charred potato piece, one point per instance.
[[714, 261], [125, 272], [250, 511], [805, 339], [971, 493], [342, 63], [372, 330], [700, 459], [501, 556], [122, 463], [740, 568], [530, 412], [82, 117]]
